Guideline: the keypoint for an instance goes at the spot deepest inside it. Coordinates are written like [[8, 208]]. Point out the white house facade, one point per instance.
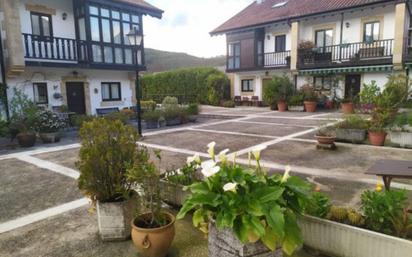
[[316, 40], [74, 53]]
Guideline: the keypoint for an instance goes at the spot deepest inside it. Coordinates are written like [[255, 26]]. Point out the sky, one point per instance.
[[186, 24]]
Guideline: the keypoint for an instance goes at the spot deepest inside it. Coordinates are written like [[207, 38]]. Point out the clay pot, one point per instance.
[[310, 106], [282, 106], [377, 138], [325, 140], [26, 139], [347, 108], [153, 242]]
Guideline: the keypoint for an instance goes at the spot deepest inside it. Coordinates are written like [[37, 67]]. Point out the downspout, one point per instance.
[[3, 77], [341, 36]]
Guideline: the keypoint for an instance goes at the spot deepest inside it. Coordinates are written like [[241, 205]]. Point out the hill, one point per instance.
[[157, 60]]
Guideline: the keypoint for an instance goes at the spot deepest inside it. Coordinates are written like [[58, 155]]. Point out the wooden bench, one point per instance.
[[390, 169], [106, 111]]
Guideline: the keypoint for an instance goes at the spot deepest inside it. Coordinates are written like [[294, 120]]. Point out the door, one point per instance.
[[280, 43], [352, 85], [75, 97]]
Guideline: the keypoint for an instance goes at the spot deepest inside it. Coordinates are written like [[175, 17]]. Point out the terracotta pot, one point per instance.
[[377, 138], [325, 140], [26, 139], [154, 242], [347, 108], [282, 106], [310, 106]]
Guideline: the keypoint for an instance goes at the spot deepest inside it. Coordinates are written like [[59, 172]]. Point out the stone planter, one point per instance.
[[296, 108], [26, 139], [225, 244], [355, 136], [403, 139], [173, 121], [150, 124], [340, 240], [114, 219], [162, 123], [192, 118], [49, 138], [173, 193]]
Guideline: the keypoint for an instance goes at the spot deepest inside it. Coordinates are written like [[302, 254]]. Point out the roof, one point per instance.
[[152, 10], [263, 13]]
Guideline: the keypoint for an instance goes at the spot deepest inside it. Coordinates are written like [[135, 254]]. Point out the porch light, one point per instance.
[[135, 38]]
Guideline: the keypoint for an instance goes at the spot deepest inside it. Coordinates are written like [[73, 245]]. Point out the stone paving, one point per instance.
[[42, 213]]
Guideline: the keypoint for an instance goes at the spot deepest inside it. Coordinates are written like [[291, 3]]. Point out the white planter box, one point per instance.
[[403, 139], [342, 240], [172, 193], [296, 108]]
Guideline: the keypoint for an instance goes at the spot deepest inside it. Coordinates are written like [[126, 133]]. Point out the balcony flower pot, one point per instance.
[[26, 139], [296, 108], [354, 136], [347, 108], [48, 138], [153, 242], [341, 240], [225, 244], [310, 106], [377, 138], [173, 193], [401, 138], [282, 106], [114, 219]]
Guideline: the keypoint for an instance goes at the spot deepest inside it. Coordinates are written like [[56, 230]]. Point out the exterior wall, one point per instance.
[[273, 31], [56, 78]]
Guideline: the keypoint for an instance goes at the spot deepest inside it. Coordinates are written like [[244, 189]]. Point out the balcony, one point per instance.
[[277, 60], [351, 54]]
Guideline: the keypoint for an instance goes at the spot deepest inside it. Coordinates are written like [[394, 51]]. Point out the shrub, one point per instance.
[[309, 93], [129, 112], [192, 109], [369, 93], [296, 100], [24, 113], [49, 122], [229, 104], [279, 89], [401, 121], [152, 116], [218, 85], [108, 148], [148, 105], [121, 116], [319, 205], [186, 175], [170, 102], [172, 113], [4, 128], [353, 122], [78, 119]]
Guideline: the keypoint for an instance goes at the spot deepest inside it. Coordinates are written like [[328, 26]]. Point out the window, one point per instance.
[[41, 24], [280, 43], [111, 91], [260, 52], [40, 93], [371, 31], [324, 39], [233, 56], [247, 85], [322, 83]]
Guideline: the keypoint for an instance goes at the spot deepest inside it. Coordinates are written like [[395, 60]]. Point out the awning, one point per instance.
[[358, 69]]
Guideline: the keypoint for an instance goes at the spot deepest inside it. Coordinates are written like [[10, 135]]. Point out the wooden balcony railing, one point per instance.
[[377, 52], [277, 59], [55, 48]]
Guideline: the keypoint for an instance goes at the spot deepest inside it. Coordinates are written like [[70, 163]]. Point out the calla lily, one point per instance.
[[222, 155], [232, 158], [257, 150], [230, 187], [286, 176], [211, 149], [209, 168], [193, 159]]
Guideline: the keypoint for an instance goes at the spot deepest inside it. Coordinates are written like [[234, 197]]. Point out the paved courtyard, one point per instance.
[[42, 213]]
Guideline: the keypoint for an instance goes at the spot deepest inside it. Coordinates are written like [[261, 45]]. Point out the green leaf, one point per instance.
[[276, 220], [241, 230], [210, 198], [270, 239], [228, 218], [199, 188], [267, 194], [256, 226], [293, 237], [255, 208], [187, 206], [198, 217]]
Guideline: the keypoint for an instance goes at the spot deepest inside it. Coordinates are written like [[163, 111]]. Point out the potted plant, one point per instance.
[[278, 91], [49, 125], [246, 211], [173, 182], [151, 117], [310, 98], [192, 112], [153, 228], [352, 129], [108, 149], [295, 103], [347, 104], [326, 138], [173, 116], [400, 131], [377, 128], [368, 96]]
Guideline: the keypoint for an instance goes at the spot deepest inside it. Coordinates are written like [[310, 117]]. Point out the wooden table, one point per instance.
[[390, 169]]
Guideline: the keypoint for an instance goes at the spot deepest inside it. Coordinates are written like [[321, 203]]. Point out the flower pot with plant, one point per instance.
[[377, 128], [400, 131], [153, 229], [151, 117], [49, 125], [326, 138], [295, 103], [173, 116], [246, 211], [278, 91], [310, 98], [108, 149], [192, 112], [368, 95], [347, 104], [352, 129]]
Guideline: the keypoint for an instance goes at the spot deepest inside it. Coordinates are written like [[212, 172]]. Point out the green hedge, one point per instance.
[[188, 85]]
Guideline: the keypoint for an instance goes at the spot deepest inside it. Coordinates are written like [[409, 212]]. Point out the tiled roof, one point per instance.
[[257, 14], [144, 4]]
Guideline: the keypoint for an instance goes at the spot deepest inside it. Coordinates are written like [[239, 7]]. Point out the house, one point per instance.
[[313, 41], [74, 53]]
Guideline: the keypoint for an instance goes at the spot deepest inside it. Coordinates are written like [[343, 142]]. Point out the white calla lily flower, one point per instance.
[[257, 150], [222, 155], [209, 168], [286, 175], [230, 187], [211, 149], [193, 159]]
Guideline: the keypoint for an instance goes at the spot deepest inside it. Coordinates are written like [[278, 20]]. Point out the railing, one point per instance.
[[352, 53], [55, 48], [277, 59]]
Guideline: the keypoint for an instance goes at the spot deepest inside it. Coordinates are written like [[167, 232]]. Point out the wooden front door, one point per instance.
[[352, 85], [75, 97]]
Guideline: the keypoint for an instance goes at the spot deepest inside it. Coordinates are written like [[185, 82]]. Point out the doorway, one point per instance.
[[352, 85], [75, 97]]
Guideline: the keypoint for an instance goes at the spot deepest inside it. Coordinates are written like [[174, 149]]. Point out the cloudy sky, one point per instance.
[[186, 25]]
